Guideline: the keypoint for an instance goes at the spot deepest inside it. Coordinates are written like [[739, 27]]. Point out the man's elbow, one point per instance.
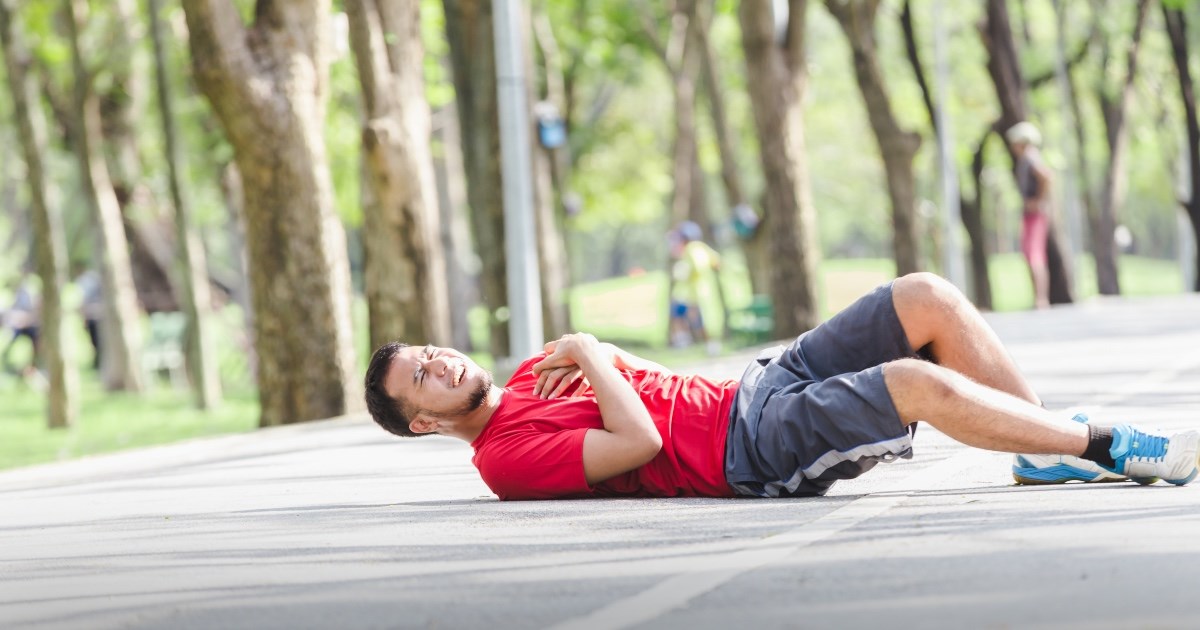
[[651, 444]]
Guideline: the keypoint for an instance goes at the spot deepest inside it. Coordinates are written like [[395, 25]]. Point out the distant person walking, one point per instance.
[[1033, 180], [92, 308], [23, 318], [693, 271]]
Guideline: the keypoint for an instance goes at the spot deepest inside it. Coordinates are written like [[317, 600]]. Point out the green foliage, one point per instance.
[[343, 138]]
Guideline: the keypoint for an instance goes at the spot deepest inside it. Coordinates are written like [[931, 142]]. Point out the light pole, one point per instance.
[[520, 241]]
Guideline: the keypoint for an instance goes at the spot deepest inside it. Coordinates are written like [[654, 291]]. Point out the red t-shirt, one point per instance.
[[532, 448]]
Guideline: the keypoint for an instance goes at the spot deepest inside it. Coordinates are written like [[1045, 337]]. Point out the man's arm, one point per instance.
[[555, 381], [624, 360], [629, 438]]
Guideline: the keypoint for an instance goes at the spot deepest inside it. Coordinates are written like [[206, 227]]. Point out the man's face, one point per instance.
[[439, 382]]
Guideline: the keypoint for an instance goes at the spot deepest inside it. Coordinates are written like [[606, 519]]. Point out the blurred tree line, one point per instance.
[[287, 156]]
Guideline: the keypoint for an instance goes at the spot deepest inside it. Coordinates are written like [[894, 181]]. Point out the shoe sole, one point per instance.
[[1054, 475]]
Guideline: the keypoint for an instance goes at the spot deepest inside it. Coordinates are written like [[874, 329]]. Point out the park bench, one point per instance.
[[754, 323], [164, 347]]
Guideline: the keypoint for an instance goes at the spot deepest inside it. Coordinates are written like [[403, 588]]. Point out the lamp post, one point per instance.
[[520, 241]]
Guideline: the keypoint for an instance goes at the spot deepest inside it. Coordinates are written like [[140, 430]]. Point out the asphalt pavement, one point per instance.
[[336, 524]]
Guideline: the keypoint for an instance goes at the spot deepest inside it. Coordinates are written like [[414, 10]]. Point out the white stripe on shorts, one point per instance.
[[834, 457]]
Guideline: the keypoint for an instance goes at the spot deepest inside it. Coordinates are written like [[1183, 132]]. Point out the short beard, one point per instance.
[[477, 398]]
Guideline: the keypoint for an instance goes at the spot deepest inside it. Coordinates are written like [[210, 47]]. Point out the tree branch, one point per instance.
[[220, 49], [1045, 77], [914, 60], [649, 29]]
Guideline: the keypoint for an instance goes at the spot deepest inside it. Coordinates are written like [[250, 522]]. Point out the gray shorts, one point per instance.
[[818, 410]]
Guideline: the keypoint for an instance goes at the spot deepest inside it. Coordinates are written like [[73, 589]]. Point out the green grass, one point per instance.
[[112, 421], [629, 310]]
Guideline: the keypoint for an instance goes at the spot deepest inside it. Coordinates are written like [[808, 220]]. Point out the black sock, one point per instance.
[[1099, 446]]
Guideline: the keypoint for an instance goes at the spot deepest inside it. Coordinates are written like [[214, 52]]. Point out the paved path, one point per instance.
[[335, 524]]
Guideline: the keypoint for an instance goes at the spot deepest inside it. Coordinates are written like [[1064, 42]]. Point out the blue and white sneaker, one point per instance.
[[1040, 470], [1138, 453], [1037, 470]]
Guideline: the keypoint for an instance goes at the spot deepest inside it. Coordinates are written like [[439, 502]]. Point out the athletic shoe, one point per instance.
[[1037, 470], [1175, 458]]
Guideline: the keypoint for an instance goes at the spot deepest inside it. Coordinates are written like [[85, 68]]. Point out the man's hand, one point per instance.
[[560, 369], [629, 438]]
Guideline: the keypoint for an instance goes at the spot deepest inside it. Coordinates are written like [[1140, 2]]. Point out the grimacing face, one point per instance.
[[438, 382]]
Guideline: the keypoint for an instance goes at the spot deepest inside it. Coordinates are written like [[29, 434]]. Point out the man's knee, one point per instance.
[[928, 298], [914, 380]]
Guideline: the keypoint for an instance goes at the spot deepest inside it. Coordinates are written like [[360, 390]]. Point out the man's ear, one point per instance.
[[422, 424]]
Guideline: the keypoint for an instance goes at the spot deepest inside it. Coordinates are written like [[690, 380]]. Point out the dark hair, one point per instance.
[[390, 413]]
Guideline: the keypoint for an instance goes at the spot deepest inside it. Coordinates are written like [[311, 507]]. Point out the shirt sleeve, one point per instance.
[[530, 465]]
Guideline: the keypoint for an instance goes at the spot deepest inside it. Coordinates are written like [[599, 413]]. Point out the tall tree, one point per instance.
[[268, 83], [552, 251], [776, 76], [1112, 192], [191, 266], [452, 201], [1004, 68], [731, 177], [679, 54], [1177, 32], [49, 241], [897, 146], [121, 327], [1071, 95], [405, 269], [473, 59], [972, 216]]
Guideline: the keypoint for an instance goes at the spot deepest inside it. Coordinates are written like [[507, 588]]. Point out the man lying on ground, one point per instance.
[[589, 419]]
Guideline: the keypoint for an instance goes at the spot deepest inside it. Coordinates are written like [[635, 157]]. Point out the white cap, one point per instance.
[[1024, 132]]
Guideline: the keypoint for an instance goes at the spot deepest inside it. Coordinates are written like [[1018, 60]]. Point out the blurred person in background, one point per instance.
[[1033, 179], [23, 318], [693, 271], [92, 308]]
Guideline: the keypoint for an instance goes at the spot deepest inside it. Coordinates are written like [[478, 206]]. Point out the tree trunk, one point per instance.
[[1177, 32], [235, 229], [552, 254], [1080, 134], [49, 242], [776, 77], [267, 83], [123, 106], [121, 326], [191, 265], [969, 209], [1005, 70], [473, 57], [1113, 192], [897, 146], [730, 176], [405, 269], [452, 200], [682, 69]]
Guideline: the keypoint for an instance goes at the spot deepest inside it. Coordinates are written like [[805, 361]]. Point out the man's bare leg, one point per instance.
[[934, 312], [978, 415]]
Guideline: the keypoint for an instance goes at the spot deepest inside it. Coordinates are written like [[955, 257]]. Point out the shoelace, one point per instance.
[[1146, 447]]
